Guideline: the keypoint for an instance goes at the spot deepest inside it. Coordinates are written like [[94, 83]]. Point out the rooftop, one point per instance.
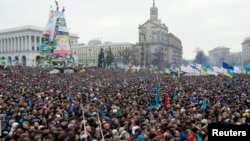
[[27, 27]]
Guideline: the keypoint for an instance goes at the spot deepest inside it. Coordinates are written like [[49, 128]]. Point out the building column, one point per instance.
[[18, 44], [14, 44], [21, 43], [8, 44], [11, 44], [1, 47], [40, 40], [29, 45], [26, 43], [3, 44], [35, 43]]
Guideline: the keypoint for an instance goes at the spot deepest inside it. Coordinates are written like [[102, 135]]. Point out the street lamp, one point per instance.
[[102, 62]]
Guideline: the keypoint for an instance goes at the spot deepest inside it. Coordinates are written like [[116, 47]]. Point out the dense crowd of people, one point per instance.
[[118, 105]]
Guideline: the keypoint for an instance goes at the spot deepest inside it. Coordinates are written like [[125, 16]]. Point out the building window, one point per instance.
[[33, 48]]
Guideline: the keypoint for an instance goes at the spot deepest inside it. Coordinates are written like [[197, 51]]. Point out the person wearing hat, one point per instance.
[[197, 134], [24, 137], [49, 138], [140, 138], [62, 137], [169, 137], [124, 136], [190, 135], [71, 132]]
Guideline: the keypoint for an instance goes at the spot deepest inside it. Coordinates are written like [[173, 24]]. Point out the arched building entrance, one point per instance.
[[15, 61], [38, 59], [9, 62], [24, 60]]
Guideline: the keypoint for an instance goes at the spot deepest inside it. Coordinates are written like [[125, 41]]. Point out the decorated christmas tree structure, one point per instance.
[[55, 47]]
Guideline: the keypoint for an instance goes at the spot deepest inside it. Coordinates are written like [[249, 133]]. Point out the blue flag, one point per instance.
[[20, 120], [150, 105], [69, 98], [204, 105], [72, 109], [30, 103], [227, 66], [102, 110], [175, 94], [237, 97], [227, 83], [156, 95], [224, 101], [80, 87], [195, 100], [109, 105]]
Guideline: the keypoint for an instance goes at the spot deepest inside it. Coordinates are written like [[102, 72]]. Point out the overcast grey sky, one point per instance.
[[198, 23]]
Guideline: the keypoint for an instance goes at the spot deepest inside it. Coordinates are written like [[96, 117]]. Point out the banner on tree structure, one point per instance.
[[55, 48]]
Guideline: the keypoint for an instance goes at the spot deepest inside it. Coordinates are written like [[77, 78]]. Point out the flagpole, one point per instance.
[[157, 91], [84, 124], [100, 125], [1, 123]]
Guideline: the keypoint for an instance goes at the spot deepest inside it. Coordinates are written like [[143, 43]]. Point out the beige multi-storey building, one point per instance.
[[88, 54], [246, 52], [218, 55], [156, 45], [174, 48], [22, 44], [234, 59]]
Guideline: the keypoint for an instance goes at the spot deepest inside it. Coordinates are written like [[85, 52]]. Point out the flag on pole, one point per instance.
[[204, 105], [150, 105], [165, 102], [227, 66], [157, 95], [102, 109], [30, 103], [175, 94]]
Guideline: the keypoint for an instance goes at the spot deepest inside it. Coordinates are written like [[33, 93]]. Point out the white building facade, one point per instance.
[[218, 55], [22, 44], [88, 54], [234, 59]]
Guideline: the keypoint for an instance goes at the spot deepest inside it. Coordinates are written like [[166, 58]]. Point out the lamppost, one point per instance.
[[102, 62], [1, 115]]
